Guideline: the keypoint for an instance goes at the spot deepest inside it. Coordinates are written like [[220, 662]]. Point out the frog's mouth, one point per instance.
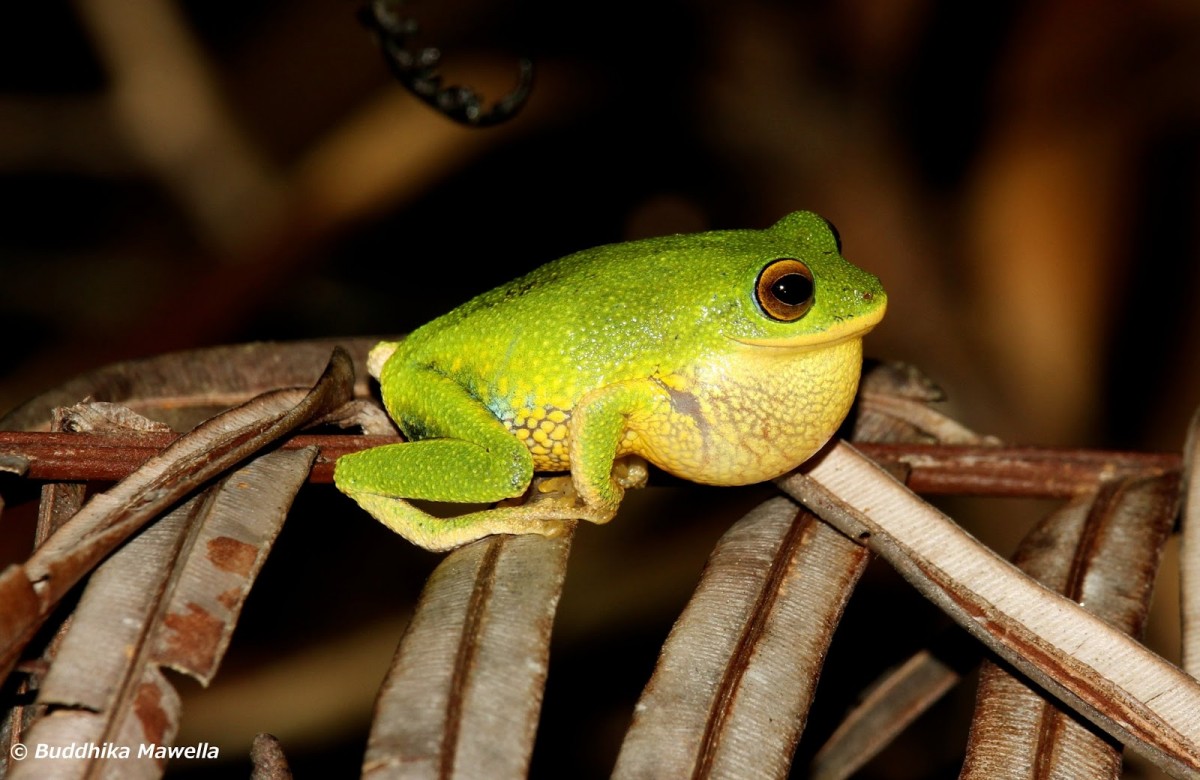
[[853, 328]]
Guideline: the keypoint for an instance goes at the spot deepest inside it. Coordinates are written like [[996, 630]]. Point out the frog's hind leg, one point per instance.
[[465, 455], [439, 470], [446, 533], [375, 478], [382, 478]]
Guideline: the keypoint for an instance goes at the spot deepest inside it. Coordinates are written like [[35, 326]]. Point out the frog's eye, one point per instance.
[[837, 237], [785, 290]]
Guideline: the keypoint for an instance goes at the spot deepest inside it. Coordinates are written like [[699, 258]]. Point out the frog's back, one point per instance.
[[602, 311]]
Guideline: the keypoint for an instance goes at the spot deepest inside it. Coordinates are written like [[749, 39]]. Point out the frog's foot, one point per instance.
[[551, 489], [631, 471], [600, 506], [550, 519], [559, 495]]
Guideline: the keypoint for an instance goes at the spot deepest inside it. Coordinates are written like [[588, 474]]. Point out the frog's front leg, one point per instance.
[[600, 424]]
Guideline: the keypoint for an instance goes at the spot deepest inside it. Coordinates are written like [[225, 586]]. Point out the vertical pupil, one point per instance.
[[792, 289]]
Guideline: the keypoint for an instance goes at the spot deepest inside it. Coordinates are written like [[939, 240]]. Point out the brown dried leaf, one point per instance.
[[104, 416], [151, 718], [901, 695], [242, 521], [59, 502], [1189, 552], [170, 597], [20, 607], [101, 674], [464, 691], [12, 464], [1128, 691], [185, 388], [111, 517], [732, 688], [366, 414], [1029, 472], [894, 702], [895, 378], [893, 406], [1109, 555], [1103, 554]]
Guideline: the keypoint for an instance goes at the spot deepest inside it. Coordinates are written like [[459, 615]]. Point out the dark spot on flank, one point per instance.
[[684, 403]]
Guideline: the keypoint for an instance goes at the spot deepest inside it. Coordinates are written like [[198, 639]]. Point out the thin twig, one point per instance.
[[1031, 472]]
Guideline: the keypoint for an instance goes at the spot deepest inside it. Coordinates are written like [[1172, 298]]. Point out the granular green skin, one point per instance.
[[663, 348]]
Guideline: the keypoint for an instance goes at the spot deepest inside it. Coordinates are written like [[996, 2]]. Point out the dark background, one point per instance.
[[1022, 176]]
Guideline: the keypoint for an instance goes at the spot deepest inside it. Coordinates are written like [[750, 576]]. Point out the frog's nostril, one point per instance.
[[868, 296]]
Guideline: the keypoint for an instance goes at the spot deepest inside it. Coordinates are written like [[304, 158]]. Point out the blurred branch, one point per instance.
[[31, 129], [167, 105]]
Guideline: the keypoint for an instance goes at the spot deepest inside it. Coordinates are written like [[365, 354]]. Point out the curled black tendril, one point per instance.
[[417, 70]]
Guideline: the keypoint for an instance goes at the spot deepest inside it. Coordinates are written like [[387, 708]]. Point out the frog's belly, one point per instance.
[[728, 422], [746, 421]]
